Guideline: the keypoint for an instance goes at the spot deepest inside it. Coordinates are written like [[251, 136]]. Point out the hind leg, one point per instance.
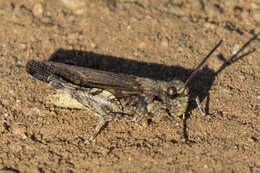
[[106, 119]]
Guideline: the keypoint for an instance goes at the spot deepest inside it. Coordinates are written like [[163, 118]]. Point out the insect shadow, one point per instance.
[[199, 86]]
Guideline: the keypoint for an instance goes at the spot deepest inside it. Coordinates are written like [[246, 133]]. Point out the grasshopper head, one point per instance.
[[177, 97], [177, 94]]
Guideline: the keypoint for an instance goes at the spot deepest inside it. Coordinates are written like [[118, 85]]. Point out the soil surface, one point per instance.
[[156, 39]]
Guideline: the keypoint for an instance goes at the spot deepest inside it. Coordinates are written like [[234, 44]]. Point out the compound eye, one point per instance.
[[171, 92]]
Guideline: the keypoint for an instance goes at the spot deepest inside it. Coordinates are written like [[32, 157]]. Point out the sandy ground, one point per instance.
[[157, 39]]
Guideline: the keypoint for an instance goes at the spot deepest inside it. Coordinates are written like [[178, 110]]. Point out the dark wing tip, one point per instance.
[[38, 69]]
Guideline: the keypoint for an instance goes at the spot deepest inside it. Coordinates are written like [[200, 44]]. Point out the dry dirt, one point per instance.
[[157, 39]]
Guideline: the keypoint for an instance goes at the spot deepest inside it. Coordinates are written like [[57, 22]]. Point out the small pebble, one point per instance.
[[206, 166], [37, 10], [93, 45], [142, 45], [235, 49], [78, 6], [19, 63], [70, 3], [209, 26], [11, 91], [180, 49]]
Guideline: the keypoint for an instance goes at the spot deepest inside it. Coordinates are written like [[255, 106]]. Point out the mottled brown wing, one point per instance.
[[119, 84]]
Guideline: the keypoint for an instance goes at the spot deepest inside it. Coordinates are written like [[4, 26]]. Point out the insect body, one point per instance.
[[112, 96]]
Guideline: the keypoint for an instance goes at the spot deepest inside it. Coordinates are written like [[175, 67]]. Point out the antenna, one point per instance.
[[202, 63]]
